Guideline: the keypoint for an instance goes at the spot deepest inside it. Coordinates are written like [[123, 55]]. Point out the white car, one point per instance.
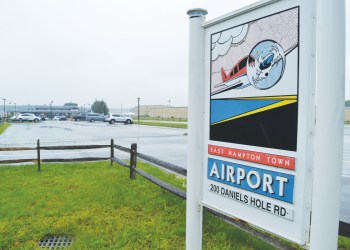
[[118, 118], [28, 117], [59, 118]]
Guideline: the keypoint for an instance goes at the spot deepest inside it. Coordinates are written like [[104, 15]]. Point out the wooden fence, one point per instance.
[[344, 228]]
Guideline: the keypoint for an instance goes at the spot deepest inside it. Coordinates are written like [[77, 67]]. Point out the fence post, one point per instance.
[[38, 152], [112, 151], [133, 160]]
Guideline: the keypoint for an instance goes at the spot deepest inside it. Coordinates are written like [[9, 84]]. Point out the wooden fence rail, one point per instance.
[[38, 148], [162, 184], [121, 148], [77, 159], [74, 147], [344, 228], [166, 165], [18, 161], [16, 149]]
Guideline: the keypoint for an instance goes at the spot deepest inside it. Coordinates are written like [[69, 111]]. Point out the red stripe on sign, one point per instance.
[[251, 156]]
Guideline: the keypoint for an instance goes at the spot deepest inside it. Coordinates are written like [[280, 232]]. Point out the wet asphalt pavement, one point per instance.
[[167, 144]]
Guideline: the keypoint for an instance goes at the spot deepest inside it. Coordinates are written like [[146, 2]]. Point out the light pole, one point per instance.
[[86, 104], [4, 106], [138, 109], [51, 109], [15, 107]]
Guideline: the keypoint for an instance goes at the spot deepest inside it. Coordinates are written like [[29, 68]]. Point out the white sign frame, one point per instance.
[[296, 226]]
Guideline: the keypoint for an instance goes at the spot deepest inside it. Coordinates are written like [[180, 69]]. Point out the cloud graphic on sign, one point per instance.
[[221, 42]]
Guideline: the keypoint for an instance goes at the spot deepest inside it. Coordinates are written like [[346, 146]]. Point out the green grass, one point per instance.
[[101, 208], [163, 119], [162, 124], [343, 243], [3, 127]]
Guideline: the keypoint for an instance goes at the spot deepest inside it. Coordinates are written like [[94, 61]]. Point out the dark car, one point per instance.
[[92, 117], [79, 117]]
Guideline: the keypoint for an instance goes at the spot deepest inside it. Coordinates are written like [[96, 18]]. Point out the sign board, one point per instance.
[[259, 116]]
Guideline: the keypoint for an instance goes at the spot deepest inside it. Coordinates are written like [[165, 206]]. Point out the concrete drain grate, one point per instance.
[[56, 242]]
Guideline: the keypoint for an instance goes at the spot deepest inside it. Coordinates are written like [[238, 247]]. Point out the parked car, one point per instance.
[[92, 117], [119, 118], [79, 117], [28, 117], [13, 118], [59, 118]]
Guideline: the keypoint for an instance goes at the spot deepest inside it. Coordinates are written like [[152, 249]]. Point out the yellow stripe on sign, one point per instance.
[[268, 107], [282, 97]]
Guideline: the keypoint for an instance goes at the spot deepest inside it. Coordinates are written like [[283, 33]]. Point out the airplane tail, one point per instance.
[[223, 75]]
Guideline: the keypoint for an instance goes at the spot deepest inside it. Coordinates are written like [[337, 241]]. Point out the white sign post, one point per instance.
[[252, 89], [195, 127], [329, 125]]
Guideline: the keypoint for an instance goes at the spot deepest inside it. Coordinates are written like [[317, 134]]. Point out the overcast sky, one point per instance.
[[82, 50]]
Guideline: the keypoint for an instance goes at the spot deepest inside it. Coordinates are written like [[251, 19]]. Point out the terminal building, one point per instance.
[[161, 111], [68, 109], [347, 114]]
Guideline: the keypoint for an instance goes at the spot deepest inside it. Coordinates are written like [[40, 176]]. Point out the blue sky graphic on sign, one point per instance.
[[225, 109], [272, 184]]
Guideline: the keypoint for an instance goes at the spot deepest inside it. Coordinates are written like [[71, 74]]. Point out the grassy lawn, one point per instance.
[[101, 208], [4, 126], [172, 119], [162, 124]]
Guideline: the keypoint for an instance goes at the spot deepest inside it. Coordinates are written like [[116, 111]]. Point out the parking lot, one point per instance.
[[168, 144]]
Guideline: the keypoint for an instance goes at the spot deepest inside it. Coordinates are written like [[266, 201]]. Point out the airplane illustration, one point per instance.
[[232, 79]]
